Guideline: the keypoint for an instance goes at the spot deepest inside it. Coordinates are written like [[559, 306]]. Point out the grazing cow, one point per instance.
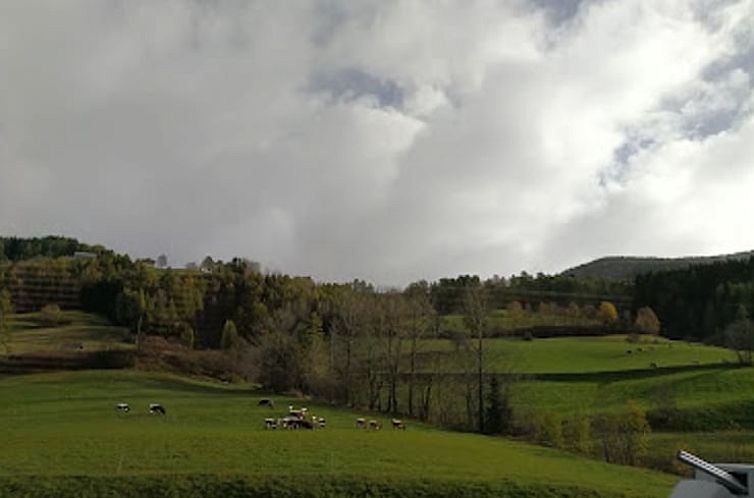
[[156, 408], [123, 407], [653, 365], [266, 402], [297, 423], [375, 424], [628, 351], [296, 414], [321, 422], [398, 424], [270, 423], [361, 423]]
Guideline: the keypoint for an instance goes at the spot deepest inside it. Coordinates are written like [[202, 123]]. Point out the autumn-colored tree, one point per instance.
[[608, 313], [647, 321], [578, 434], [624, 436], [515, 311]]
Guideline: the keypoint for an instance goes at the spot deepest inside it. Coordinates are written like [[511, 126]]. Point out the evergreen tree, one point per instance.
[[497, 413]]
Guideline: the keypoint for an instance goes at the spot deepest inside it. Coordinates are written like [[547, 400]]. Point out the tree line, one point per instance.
[[701, 301], [19, 248]]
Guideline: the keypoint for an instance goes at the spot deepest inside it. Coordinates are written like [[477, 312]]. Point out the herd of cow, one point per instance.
[[299, 418], [296, 418]]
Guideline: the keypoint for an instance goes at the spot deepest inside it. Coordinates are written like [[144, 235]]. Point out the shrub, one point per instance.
[[51, 316], [553, 430], [578, 434], [623, 436]]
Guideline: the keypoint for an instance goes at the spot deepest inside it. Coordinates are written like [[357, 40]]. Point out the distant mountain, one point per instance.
[[628, 267]]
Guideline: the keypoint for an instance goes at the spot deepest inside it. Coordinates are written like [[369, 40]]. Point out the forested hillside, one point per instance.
[[700, 301], [626, 268]]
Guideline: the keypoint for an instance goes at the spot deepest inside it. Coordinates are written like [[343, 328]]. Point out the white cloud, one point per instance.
[[387, 140]]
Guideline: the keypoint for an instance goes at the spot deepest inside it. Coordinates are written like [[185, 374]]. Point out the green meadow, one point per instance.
[[59, 425], [61, 433], [585, 354]]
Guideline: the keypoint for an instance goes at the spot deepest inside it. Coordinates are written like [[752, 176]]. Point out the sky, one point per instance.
[[386, 140]]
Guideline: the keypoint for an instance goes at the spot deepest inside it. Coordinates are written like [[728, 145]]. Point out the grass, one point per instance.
[[65, 424], [55, 426], [91, 332], [715, 446], [586, 354], [712, 390]]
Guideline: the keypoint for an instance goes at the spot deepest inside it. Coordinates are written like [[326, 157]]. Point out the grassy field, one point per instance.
[[586, 354], [59, 425], [65, 424], [711, 390], [711, 412], [91, 332]]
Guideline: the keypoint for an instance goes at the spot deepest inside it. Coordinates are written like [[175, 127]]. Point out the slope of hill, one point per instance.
[[79, 341], [56, 426], [628, 267], [78, 331]]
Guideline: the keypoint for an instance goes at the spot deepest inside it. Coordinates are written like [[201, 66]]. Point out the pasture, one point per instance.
[[582, 354], [78, 331], [58, 425], [728, 391]]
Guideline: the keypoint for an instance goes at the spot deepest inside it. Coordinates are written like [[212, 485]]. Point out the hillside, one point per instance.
[[60, 425], [77, 331], [628, 267], [77, 341]]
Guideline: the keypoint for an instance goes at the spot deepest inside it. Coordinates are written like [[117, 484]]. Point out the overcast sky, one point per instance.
[[385, 140]]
